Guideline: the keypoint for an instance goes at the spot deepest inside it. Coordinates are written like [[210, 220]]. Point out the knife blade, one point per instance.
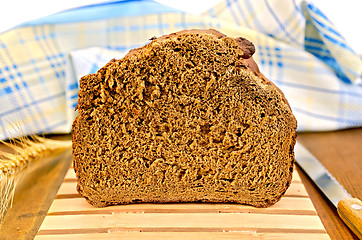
[[348, 208]]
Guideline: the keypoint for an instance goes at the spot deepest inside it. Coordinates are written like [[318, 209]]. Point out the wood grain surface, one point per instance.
[[34, 197], [339, 151]]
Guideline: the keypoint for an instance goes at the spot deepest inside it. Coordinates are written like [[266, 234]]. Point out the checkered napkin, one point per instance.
[[297, 48]]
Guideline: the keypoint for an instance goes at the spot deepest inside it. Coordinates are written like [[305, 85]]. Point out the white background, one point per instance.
[[346, 15]]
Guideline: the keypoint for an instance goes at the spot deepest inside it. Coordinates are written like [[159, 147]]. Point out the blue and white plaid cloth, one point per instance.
[[297, 48]]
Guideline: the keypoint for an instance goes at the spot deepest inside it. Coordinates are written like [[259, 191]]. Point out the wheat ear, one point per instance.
[[28, 150]]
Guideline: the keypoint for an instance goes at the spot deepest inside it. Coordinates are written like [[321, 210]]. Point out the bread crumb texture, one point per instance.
[[186, 118]]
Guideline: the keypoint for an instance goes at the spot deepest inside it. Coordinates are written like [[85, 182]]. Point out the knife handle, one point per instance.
[[350, 211]]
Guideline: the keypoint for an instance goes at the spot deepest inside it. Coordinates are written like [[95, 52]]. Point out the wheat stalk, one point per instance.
[[28, 150]]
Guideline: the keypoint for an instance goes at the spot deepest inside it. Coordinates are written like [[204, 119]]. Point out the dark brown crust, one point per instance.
[[247, 47], [246, 51]]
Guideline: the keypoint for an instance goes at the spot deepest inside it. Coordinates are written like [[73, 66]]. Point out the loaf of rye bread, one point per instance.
[[186, 118]]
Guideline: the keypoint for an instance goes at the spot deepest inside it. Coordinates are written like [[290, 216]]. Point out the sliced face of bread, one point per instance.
[[186, 118]]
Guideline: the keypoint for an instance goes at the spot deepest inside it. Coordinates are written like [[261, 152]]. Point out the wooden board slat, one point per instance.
[[80, 206], [189, 235], [182, 221], [70, 216]]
